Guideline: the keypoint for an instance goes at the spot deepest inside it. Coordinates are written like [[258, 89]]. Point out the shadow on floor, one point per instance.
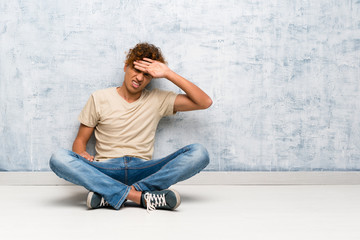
[[76, 199]]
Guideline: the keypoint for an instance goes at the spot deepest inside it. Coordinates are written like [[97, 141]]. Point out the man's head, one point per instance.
[[135, 80], [144, 50]]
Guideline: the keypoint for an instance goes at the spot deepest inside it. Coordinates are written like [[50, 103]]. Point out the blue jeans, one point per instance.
[[113, 178]]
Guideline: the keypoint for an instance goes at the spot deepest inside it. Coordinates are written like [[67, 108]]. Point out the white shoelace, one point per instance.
[[103, 203], [154, 200]]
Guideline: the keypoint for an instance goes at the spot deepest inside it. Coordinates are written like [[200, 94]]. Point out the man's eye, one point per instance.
[[147, 75]]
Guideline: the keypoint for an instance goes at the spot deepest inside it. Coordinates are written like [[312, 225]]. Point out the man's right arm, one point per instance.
[[82, 138]]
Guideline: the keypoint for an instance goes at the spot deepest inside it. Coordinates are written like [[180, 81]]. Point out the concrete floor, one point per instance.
[[206, 212]]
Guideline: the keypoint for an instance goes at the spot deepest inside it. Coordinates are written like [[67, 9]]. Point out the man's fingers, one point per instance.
[[141, 64], [139, 68], [148, 60], [87, 156]]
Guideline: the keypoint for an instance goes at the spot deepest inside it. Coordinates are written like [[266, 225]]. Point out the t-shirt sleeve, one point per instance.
[[89, 115], [167, 100]]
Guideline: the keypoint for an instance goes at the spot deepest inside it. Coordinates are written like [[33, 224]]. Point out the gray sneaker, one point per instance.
[[95, 200], [167, 199]]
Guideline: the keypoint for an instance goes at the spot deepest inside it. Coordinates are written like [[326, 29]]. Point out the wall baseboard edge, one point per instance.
[[207, 178]]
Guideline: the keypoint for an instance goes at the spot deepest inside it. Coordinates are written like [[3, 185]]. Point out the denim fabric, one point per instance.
[[113, 178]]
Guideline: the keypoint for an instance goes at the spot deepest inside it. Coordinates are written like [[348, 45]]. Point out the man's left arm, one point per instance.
[[193, 99]]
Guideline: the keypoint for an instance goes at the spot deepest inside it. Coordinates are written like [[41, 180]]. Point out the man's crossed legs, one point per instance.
[[144, 182]]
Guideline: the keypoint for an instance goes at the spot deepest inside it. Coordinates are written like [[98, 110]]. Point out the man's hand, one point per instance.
[[79, 145], [194, 99], [155, 68], [87, 156]]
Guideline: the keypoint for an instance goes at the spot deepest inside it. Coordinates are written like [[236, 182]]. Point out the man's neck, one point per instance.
[[126, 95]]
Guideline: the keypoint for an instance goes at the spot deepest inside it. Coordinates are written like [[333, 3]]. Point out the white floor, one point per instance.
[[206, 212]]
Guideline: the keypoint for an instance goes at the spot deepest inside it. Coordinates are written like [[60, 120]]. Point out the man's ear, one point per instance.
[[125, 67]]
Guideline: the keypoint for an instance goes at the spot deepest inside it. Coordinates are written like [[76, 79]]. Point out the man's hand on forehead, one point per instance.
[[155, 68]]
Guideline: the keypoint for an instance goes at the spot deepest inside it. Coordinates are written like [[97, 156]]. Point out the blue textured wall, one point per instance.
[[284, 77]]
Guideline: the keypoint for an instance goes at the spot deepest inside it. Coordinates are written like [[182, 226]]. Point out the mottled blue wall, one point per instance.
[[284, 77]]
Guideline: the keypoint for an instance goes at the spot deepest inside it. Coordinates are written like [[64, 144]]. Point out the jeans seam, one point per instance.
[[126, 171], [152, 174], [90, 163], [121, 199], [185, 150], [166, 158], [138, 186], [104, 167]]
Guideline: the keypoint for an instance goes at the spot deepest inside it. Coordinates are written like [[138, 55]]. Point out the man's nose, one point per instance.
[[140, 76]]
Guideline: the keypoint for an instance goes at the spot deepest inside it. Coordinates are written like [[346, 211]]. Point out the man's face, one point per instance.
[[135, 81]]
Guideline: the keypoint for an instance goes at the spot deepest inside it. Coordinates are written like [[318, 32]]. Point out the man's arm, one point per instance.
[[82, 138], [194, 99]]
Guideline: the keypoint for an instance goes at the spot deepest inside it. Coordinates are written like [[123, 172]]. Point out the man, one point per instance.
[[125, 120]]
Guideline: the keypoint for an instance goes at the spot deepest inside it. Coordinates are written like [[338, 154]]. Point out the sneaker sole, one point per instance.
[[88, 200], [178, 199]]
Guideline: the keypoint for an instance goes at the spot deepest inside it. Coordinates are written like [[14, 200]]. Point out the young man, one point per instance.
[[125, 120]]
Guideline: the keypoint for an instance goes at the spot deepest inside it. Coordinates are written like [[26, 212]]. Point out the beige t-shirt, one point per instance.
[[122, 128]]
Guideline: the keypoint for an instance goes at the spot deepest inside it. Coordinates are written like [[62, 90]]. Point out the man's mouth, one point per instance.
[[135, 84]]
